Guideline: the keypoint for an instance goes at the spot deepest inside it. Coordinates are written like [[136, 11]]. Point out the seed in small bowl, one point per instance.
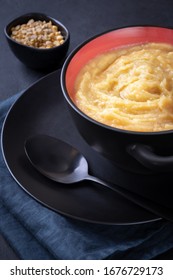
[[37, 34]]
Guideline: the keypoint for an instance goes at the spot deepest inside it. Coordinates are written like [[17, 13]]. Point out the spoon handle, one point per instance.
[[154, 207]]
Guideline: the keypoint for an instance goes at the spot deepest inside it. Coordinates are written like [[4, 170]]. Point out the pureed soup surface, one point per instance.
[[129, 88]]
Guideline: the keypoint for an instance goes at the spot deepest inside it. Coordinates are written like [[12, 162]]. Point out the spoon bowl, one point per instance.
[[63, 163], [56, 159]]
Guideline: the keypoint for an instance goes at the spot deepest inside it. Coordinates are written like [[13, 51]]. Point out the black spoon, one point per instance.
[[63, 163]]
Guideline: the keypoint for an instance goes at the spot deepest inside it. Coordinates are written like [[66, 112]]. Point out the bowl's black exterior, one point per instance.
[[114, 144], [41, 59]]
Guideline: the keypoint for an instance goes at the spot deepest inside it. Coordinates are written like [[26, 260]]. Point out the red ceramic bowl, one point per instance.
[[134, 151]]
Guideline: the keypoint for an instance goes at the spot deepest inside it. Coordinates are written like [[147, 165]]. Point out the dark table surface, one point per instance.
[[83, 18]]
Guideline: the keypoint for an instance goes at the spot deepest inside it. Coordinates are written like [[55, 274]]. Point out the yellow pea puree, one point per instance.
[[129, 88]]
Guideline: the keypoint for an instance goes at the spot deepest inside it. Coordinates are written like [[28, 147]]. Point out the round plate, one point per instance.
[[42, 109]]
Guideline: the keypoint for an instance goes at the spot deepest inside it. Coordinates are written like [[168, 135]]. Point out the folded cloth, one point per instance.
[[36, 232]]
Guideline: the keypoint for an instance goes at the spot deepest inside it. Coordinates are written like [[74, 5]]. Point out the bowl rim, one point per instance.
[[35, 14], [79, 111]]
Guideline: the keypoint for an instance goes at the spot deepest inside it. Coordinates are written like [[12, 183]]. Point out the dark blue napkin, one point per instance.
[[36, 232]]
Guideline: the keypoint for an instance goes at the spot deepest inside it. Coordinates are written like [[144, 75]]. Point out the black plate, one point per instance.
[[41, 109]]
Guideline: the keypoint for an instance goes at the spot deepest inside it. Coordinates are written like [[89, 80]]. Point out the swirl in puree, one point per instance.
[[129, 88]]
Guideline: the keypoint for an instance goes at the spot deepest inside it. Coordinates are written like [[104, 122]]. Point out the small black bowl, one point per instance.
[[41, 59]]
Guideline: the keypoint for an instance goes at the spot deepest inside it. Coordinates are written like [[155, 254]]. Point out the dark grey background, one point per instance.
[[83, 18]]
